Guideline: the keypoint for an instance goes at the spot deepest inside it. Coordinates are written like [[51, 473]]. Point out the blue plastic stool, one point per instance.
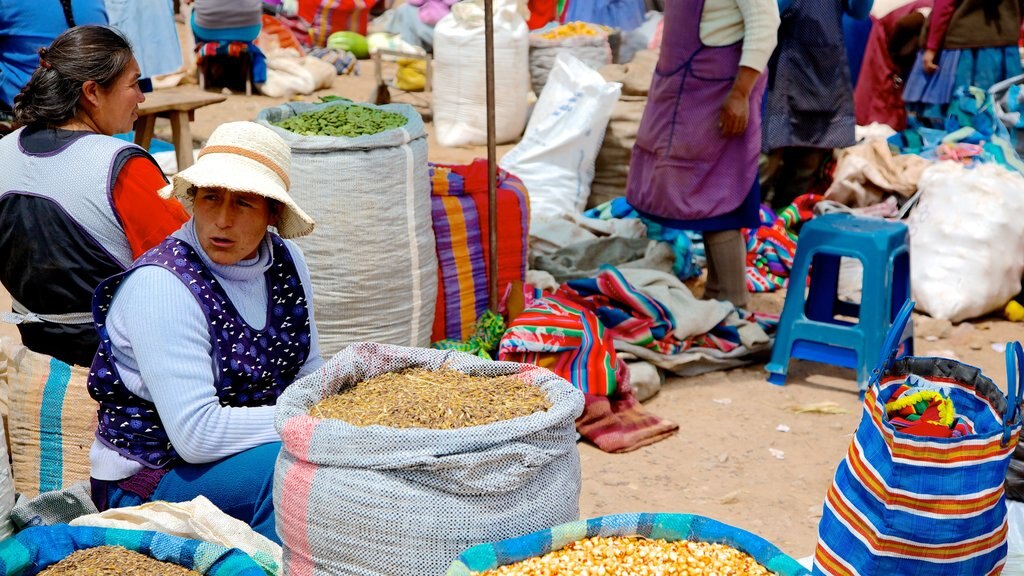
[[809, 328]]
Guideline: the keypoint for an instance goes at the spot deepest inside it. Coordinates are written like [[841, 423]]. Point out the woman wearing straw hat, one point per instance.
[[76, 204], [202, 334]]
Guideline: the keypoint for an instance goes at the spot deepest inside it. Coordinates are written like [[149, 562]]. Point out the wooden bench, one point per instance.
[[178, 105]]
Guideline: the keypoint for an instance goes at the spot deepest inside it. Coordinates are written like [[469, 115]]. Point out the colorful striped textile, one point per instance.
[[52, 420], [459, 209], [330, 16], [904, 504], [235, 50], [770, 248], [566, 337], [34, 549], [671, 527]]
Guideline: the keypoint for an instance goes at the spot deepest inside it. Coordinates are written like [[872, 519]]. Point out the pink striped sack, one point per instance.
[[381, 500]]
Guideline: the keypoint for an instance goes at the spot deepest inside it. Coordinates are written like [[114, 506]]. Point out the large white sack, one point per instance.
[[460, 86], [376, 500], [966, 240], [555, 158], [371, 257]]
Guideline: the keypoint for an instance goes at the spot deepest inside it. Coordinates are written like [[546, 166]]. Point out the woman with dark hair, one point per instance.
[[76, 204], [27, 25]]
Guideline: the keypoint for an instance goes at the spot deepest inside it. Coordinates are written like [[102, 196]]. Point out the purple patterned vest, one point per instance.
[[255, 365]]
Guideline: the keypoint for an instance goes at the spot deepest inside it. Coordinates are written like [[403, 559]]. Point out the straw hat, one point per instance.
[[245, 157]]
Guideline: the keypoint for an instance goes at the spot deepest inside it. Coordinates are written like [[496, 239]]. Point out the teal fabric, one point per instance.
[[34, 549], [668, 526]]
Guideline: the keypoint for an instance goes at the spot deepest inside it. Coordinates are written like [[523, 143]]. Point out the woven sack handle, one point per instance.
[[1014, 384], [892, 343]]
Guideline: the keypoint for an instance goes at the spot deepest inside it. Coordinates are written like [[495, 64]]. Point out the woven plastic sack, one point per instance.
[[459, 82], [378, 500], [6, 489], [594, 51], [52, 420], [34, 549], [907, 504], [671, 527], [555, 158], [372, 256], [198, 519], [967, 238]]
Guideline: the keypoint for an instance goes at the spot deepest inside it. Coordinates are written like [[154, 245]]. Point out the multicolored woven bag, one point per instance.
[[902, 503]]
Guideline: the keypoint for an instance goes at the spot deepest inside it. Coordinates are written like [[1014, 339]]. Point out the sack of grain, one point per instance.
[[382, 500], [43, 548], [587, 42], [52, 420], [372, 256]]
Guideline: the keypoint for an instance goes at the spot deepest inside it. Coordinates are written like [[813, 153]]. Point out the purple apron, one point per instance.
[[682, 166]]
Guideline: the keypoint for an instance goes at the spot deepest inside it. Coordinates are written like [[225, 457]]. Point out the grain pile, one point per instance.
[[637, 556], [437, 399], [113, 561]]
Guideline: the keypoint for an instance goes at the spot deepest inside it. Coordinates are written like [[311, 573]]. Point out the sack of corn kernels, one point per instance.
[[587, 42], [640, 543], [382, 500]]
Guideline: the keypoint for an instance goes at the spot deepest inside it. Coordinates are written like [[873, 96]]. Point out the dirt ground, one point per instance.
[[719, 464]]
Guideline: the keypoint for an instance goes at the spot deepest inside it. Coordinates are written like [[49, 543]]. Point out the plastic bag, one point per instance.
[[555, 158], [967, 240]]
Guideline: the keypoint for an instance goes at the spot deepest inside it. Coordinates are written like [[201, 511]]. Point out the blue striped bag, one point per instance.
[[34, 549], [670, 527], [916, 505]]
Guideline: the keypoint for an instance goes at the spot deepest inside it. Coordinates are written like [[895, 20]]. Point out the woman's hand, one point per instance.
[[735, 113], [928, 62]]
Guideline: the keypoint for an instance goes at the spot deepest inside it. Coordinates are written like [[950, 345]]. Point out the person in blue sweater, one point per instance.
[[28, 25], [809, 102], [200, 337]]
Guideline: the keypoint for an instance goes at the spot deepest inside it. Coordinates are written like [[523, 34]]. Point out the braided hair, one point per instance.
[[68, 16]]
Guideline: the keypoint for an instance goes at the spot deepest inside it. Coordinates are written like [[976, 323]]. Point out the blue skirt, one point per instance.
[[981, 67]]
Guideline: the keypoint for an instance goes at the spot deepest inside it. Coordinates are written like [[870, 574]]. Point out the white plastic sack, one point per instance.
[[555, 158], [460, 88], [287, 77], [371, 258], [966, 240], [1014, 539], [198, 519], [379, 501]]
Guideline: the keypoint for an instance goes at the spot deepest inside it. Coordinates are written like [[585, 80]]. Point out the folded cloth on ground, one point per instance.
[[865, 173], [343, 61], [689, 258], [547, 235], [585, 259], [771, 247]]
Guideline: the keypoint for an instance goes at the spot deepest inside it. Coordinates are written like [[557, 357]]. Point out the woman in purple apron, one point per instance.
[[694, 165], [809, 108]]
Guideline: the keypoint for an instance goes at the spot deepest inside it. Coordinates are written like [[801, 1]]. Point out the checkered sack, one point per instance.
[[923, 505]]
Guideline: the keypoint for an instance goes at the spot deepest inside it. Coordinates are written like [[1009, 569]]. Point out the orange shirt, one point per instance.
[[147, 218]]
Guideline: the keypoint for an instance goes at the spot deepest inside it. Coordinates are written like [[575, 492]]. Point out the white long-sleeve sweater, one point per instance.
[[756, 22], [161, 343]]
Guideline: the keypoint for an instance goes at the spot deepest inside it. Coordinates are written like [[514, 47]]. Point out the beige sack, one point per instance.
[[52, 420]]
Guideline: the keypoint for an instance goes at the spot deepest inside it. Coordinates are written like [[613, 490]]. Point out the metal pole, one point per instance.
[[492, 157]]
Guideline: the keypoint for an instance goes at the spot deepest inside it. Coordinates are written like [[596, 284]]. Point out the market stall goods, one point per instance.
[[381, 500], [587, 42], [113, 561], [372, 258], [636, 556], [348, 121], [438, 399]]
